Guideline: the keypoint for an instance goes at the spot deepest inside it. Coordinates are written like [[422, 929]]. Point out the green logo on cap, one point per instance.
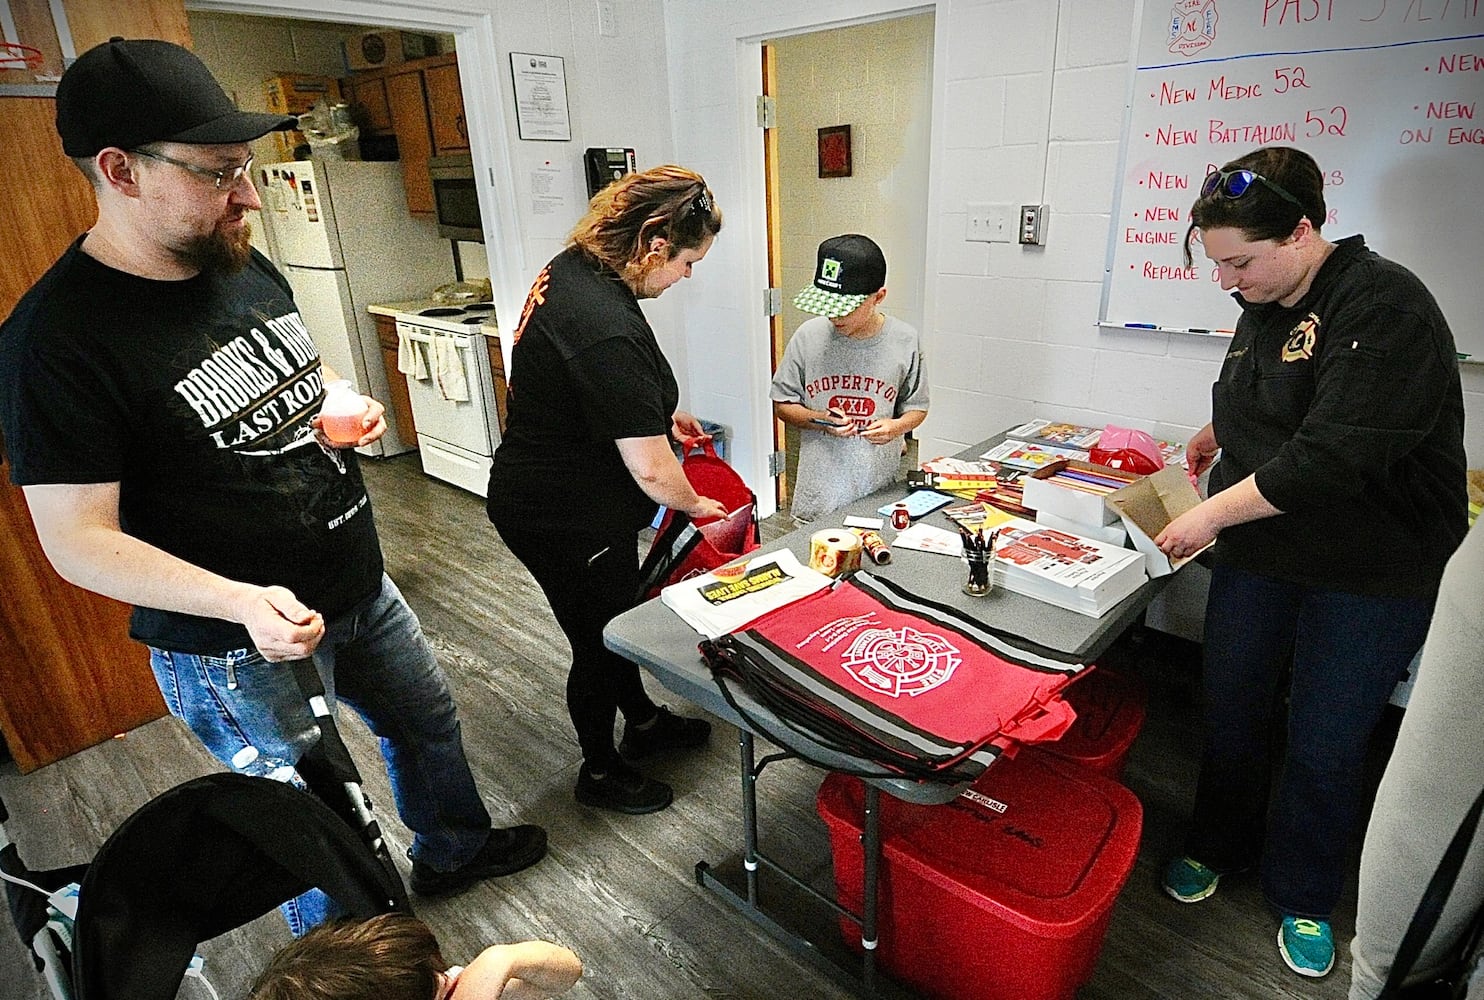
[[830, 270]]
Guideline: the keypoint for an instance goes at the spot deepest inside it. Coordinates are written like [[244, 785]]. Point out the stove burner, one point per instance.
[[472, 320], [441, 311], [480, 307]]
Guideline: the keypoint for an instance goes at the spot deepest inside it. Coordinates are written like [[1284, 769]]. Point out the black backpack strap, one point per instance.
[[670, 548], [1431, 906]]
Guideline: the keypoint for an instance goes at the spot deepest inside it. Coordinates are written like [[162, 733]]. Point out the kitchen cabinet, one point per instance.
[[400, 402], [70, 676], [420, 102]]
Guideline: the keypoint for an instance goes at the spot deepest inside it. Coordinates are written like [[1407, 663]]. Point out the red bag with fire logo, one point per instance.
[[866, 669]]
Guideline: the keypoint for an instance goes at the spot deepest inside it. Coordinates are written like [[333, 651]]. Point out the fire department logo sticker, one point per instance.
[[1192, 26], [900, 661]]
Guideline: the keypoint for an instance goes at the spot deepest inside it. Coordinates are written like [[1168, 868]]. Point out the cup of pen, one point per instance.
[[979, 554]]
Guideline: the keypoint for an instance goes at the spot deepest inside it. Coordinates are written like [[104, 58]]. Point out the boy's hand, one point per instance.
[[883, 431]]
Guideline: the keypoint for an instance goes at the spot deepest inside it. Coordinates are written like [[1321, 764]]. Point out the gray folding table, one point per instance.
[[658, 640]]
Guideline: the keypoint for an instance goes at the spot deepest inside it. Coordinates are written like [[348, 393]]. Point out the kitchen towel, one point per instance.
[[410, 359], [450, 367]]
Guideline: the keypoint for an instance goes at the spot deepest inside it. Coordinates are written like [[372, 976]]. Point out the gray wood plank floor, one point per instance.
[[621, 890]]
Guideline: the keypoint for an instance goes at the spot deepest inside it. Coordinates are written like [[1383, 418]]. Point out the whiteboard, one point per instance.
[[1387, 96]]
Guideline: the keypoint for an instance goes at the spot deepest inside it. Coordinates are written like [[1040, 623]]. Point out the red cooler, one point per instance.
[[1110, 713], [1004, 893]]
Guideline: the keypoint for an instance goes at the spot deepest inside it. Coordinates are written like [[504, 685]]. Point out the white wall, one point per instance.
[[1028, 107]]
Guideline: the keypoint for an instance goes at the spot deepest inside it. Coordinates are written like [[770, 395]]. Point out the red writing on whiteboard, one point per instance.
[[1249, 135], [1297, 11], [1325, 121], [1418, 10], [1160, 213], [1164, 272], [1170, 94], [1466, 136], [1222, 91], [1169, 135], [1449, 109], [1461, 62], [1410, 136], [1146, 236], [1159, 181], [1288, 78]]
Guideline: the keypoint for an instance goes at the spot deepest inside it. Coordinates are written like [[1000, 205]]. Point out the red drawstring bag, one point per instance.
[[684, 548]]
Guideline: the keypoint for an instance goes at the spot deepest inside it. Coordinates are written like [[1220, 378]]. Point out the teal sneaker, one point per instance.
[[1308, 946], [1189, 881]]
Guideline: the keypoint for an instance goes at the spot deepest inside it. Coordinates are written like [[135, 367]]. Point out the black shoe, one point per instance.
[[622, 789], [669, 732], [506, 852]]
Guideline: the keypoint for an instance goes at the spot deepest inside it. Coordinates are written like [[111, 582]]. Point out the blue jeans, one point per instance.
[[376, 660], [1348, 653]]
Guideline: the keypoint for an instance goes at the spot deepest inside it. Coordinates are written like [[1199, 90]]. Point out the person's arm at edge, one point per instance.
[[530, 970], [888, 429], [79, 530], [652, 463]]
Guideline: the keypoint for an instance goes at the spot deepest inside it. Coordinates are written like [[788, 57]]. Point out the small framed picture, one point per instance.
[[834, 151]]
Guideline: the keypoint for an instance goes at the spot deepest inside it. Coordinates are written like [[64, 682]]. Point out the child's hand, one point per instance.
[[882, 431]]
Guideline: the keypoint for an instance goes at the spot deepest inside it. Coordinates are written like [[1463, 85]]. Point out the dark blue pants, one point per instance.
[[1348, 651]]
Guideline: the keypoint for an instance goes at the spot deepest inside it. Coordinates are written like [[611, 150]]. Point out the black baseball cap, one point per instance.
[[849, 269], [127, 92]]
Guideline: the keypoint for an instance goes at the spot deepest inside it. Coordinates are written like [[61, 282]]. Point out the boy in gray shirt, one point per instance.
[[851, 380]]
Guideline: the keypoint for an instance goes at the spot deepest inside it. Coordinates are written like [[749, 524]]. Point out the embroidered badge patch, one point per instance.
[[1300, 343]]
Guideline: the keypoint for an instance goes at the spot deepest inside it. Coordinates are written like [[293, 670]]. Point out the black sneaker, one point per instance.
[[622, 789], [506, 852], [669, 732]]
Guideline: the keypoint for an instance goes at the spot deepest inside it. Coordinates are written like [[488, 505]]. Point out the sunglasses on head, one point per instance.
[[1236, 184]]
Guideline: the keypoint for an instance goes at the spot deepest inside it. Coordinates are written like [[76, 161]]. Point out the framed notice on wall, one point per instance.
[[540, 96]]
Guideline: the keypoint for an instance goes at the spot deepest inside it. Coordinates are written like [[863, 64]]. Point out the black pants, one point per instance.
[[589, 580]]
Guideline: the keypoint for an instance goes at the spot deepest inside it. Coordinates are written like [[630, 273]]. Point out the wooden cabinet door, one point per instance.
[[368, 103], [446, 109], [400, 402], [409, 110]]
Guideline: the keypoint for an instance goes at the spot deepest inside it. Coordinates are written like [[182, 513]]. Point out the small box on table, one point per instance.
[[1150, 504], [1075, 490], [1004, 893]]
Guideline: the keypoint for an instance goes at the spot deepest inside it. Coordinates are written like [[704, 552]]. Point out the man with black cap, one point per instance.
[[159, 395], [853, 377]]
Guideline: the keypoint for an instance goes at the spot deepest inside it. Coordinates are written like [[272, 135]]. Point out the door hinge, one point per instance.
[[772, 302], [776, 463], [767, 111]]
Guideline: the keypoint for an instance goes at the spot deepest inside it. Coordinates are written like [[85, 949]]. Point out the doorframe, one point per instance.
[[748, 35], [472, 23]]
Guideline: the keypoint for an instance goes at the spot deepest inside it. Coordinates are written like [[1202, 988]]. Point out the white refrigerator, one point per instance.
[[340, 232]]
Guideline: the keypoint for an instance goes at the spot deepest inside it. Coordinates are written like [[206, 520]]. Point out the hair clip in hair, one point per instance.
[[702, 203]]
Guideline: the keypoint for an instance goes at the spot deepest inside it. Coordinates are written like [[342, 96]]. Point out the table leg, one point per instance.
[[871, 845], [749, 814]]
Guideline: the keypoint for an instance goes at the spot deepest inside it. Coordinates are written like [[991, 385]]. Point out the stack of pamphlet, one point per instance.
[[1067, 570]]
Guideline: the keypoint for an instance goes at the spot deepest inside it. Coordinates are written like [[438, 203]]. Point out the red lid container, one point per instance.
[[1110, 712], [1004, 893]]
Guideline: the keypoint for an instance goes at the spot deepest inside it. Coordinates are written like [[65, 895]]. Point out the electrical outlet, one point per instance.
[[988, 223], [1033, 224]]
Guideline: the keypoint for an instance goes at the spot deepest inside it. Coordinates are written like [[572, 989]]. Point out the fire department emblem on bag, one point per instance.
[[898, 661]]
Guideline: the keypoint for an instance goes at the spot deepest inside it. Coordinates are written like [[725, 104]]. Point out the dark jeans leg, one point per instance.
[[1349, 653], [589, 581], [1250, 622]]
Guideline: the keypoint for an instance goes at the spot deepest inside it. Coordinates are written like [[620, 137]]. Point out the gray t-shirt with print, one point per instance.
[[867, 379]]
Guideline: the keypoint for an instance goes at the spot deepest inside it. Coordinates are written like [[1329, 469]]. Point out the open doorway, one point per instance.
[[876, 78]]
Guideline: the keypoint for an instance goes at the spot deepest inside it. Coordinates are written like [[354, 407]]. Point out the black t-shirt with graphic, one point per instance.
[[586, 371], [196, 397]]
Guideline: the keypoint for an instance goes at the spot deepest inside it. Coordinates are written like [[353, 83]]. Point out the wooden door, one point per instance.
[[404, 94], [70, 676]]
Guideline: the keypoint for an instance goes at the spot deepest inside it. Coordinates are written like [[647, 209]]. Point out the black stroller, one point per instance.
[[197, 861]]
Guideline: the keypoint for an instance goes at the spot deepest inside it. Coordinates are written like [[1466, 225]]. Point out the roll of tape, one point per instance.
[[835, 552]]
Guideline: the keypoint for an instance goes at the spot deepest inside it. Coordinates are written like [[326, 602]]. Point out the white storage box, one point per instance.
[[1043, 491], [1147, 506]]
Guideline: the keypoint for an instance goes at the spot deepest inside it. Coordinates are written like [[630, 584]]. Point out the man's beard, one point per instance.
[[218, 251]]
